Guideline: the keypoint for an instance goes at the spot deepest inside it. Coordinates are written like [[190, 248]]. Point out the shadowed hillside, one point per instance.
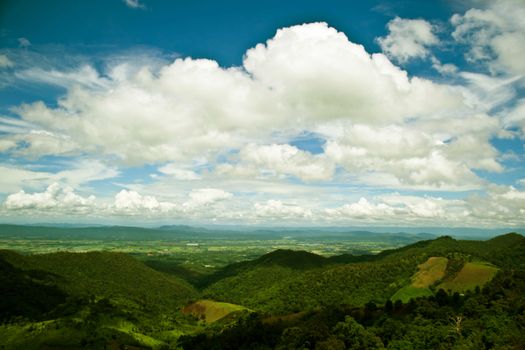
[[107, 275]]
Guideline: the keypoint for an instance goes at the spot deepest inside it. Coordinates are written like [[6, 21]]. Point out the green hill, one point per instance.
[[91, 300], [291, 281], [107, 275], [280, 259]]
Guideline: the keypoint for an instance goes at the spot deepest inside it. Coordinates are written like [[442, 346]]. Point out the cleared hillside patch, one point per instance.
[[473, 274], [430, 272], [210, 310]]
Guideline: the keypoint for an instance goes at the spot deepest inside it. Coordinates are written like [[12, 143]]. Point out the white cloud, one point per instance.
[[279, 160], [323, 76], [133, 4], [194, 108], [206, 196], [408, 39], [6, 145], [212, 131], [495, 35], [503, 205], [445, 69], [5, 62], [55, 197], [421, 207], [14, 178], [484, 92], [179, 173], [516, 116], [362, 210], [85, 76], [74, 174], [85, 171], [402, 209], [277, 210], [410, 157], [134, 203], [36, 143]]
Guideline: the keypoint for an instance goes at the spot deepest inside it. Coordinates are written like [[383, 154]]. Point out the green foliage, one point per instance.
[[491, 319], [29, 294], [408, 292], [285, 281], [355, 336], [111, 275]]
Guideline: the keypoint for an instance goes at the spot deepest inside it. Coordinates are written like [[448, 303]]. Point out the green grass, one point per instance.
[[409, 292], [429, 272], [473, 274]]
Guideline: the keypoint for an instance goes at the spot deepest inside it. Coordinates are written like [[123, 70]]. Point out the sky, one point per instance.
[[299, 112]]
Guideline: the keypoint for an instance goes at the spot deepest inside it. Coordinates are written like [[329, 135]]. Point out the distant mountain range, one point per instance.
[[403, 235]]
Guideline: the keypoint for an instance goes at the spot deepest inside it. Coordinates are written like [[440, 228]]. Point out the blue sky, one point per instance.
[[396, 113]]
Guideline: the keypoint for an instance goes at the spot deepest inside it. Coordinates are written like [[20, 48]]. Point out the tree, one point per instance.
[[355, 336]]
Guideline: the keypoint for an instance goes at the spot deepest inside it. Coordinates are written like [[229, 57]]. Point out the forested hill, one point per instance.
[[287, 281], [506, 250], [104, 275]]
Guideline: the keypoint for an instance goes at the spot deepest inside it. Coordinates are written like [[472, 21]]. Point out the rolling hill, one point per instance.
[[285, 282]]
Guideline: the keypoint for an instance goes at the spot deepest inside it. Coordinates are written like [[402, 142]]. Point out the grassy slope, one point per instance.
[[473, 274], [211, 310], [428, 274]]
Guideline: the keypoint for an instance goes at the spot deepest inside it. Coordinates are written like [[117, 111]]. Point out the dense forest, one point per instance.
[[434, 294]]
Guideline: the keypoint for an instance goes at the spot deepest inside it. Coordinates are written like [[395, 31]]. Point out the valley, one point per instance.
[[204, 291]]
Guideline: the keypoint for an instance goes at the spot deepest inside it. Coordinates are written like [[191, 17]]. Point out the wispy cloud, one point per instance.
[[24, 42], [5, 62], [134, 4]]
